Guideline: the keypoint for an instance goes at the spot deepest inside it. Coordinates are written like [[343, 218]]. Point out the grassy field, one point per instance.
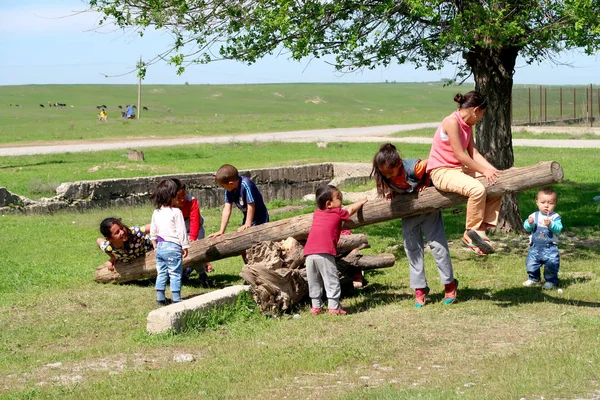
[[64, 336], [197, 110]]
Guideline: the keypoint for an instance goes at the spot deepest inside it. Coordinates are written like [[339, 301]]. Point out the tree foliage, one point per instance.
[[361, 33]]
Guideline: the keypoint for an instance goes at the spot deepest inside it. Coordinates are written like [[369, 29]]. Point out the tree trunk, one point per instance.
[[509, 181], [493, 70]]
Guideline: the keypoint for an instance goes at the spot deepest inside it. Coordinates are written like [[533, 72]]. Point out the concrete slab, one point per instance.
[[173, 316]]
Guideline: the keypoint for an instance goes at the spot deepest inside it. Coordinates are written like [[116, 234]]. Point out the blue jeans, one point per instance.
[[169, 261], [546, 255]]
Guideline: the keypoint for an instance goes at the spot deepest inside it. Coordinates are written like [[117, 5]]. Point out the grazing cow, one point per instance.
[[134, 106], [145, 108], [103, 106], [120, 107], [41, 106], [98, 107]]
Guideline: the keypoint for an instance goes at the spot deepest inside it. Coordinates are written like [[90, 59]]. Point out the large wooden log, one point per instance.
[[356, 260], [512, 180], [277, 285]]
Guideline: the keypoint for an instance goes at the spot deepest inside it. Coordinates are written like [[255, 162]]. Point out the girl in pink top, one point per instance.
[[454, 163]]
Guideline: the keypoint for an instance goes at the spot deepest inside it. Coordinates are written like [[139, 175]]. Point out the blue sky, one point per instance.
[[44, 42]]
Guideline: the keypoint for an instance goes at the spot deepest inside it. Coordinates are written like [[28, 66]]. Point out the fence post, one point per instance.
[[587, 105], [561, 104], [529, 101], [545, 104], [540, 104], [574, 103], [591, 106]]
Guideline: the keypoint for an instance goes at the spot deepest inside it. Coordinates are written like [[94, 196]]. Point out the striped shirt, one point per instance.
[[247, 193]]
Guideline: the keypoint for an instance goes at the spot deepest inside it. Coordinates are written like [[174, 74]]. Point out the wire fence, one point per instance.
[[556, 105]]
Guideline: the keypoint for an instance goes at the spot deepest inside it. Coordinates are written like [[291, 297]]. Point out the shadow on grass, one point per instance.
[[524, 295], [140, 283], [218, 281]]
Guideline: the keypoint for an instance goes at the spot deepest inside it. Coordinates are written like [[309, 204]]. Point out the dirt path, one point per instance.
[[365, 134]]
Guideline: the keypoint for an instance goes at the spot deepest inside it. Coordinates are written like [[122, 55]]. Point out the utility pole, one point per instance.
[[139, 103]]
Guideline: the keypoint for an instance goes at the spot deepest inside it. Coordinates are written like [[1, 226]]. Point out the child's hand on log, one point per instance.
[[491, 175], [243, 228], [184, 252], [110, 264], [425, 184]]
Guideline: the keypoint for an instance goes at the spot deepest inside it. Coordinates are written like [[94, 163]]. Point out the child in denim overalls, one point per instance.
[[544, 226]]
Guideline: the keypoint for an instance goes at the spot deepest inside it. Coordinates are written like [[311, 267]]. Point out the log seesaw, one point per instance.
[[509, 181]]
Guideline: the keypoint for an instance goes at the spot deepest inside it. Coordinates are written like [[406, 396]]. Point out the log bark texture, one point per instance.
[[276, 285], [510, 181]]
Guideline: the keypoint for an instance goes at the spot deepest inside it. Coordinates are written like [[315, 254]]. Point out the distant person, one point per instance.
[[130, 112], [395, 175], [121, 243], [102, 116], [168, 234], [194, 224], [453, 164], [244, 194], [545, 226], [321, 248]]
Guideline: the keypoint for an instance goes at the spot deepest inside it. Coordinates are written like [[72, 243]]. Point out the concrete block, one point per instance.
[[173, 316]]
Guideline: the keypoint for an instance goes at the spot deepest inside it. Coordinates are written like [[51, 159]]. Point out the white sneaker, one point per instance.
[[530, 283], [548, 286]]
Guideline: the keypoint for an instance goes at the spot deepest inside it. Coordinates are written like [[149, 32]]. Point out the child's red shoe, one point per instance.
[[337, 311], [316, 310], [421, 296], [450, 291]]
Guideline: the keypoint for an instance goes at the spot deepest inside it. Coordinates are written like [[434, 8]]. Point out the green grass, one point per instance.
[[500, 341], [200, 110], [33, 176]]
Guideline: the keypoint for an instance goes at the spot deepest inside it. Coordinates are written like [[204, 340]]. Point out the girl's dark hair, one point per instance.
[[324, 194], [165, 192], [471, 99], [180, 185], [386, 157], [107, 223]]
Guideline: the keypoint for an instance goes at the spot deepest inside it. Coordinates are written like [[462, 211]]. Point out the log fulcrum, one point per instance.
[[278, 277], [513, 180]]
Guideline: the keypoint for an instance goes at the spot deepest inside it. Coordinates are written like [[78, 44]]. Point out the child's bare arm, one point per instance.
[[354, 207], [224, 220], [249, 217]]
